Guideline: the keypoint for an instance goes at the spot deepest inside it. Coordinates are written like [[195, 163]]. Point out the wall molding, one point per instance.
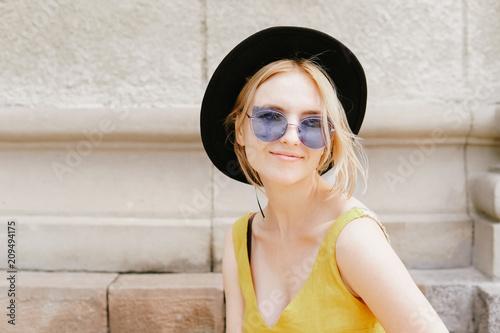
[[383, 124]]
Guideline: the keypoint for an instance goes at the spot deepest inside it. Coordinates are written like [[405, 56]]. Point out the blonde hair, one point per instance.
[[340, 150]]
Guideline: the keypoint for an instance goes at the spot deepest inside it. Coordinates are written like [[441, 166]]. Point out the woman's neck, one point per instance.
[[291, 207]]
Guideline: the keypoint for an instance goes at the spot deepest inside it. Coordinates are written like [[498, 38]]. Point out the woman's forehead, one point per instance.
[[289, 90]]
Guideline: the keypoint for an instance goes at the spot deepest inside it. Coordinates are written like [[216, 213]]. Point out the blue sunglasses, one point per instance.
[[269, 125]]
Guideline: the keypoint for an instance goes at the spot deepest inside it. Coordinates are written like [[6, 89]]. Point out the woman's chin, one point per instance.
[[283, 179]]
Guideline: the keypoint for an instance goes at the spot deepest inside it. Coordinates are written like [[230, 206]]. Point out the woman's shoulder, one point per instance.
[[361, 217]]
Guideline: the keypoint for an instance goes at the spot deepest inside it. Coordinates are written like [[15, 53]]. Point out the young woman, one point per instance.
[[315, 259]]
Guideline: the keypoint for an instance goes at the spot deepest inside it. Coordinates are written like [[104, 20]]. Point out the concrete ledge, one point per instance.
[[486, 245], [184, 245], [177, 124], [113, 244], [58, 302], [444, 124], [167, 303], [485, 191]]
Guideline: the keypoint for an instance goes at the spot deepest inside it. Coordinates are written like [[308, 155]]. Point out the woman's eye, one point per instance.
[[270, 116], [312, 122]]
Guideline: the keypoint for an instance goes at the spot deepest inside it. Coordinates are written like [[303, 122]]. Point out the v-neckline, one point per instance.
[[249, 271]]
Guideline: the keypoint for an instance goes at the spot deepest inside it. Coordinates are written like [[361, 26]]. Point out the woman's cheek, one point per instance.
[[251, 153]]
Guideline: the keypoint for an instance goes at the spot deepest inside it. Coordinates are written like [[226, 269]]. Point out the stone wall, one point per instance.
[[99, 125]]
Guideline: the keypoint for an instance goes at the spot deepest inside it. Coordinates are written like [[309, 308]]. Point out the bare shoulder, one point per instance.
[[363, 236], [372, 271]]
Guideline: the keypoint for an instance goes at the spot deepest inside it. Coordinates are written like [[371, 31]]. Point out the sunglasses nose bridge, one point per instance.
[[295, 135]]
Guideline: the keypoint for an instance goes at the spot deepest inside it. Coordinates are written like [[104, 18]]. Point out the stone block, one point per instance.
[[426, 241], [397, 67], [119, 54], [234, 198], [454, 304], [486, 130], [220, 228], [451, 292], [128, 180], [479, 159], [112, 244], [58, 302], [486, 246], [485, 193], [167, 303], [487, 309], [415, 178]]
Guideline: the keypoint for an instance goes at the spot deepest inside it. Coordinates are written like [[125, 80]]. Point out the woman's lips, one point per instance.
[[286, 156]]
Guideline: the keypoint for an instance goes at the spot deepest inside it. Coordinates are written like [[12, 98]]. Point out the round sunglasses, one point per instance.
[[269, 125]]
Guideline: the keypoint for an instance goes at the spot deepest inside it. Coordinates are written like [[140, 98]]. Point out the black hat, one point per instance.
[[255, 52]]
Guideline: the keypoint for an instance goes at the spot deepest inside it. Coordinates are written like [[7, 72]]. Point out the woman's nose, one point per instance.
[[291, 135]]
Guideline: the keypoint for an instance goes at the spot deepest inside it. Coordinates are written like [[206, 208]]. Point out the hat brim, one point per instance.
[[255, 52]]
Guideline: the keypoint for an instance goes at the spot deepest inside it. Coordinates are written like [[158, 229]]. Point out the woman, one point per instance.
[[315, 259]]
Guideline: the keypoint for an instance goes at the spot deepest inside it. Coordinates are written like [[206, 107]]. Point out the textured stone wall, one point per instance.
[[62, 53], [102, 163], [157, 53]]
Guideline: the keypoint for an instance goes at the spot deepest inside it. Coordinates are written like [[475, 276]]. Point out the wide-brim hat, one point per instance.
[[255, 52]]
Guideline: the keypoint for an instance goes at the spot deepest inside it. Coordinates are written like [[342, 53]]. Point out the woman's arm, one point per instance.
[[371, 269], [235, 305]]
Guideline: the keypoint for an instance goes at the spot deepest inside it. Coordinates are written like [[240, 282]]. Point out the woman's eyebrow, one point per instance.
[[305, 113], [311, 113]]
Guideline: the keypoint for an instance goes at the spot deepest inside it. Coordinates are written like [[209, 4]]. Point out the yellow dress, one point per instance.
[[324, 304]]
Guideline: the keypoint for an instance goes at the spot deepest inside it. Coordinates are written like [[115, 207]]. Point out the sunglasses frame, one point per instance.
[[252, 117]]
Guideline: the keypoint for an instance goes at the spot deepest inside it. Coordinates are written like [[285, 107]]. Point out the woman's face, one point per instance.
[[285, 161]]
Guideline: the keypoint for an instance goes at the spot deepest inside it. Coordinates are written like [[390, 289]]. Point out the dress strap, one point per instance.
[[249, 236], [374, 217]]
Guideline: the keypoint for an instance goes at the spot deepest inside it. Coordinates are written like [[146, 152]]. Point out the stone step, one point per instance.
[[184, 245], [465, 299], [106, 302], [487, 308]]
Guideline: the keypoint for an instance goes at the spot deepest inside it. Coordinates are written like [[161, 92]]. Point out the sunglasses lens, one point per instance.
[[268, 125], [311, 133]]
